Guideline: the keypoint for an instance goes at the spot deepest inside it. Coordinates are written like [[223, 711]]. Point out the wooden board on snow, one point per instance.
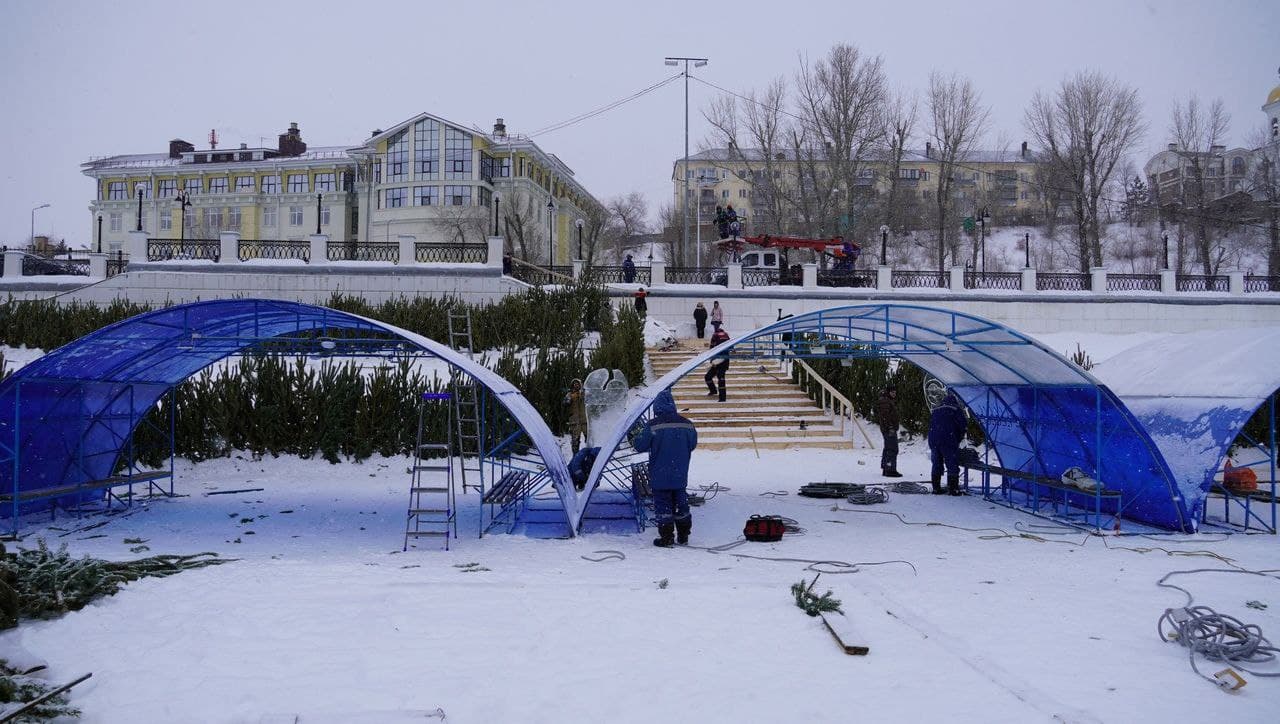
[[842, 631]]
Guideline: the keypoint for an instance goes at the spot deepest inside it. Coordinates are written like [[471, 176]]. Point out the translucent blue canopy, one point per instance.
[[1040, 412], [66, 418]]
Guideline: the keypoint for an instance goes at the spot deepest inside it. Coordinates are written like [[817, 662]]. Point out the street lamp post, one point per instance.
[[983, 215], [319, 198], [1165, 238], [684, 207], [184, 202], [496, 201], [884, 245], [1026, 246], [33, 222], [551, 248], [578, 224], [139, 209]]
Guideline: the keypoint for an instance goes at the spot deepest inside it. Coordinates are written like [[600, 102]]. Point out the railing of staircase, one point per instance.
[[827, 396]]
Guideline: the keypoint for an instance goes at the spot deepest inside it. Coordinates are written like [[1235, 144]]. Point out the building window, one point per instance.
[[168, 188], [457, 154], [218, 185], [326, 182], [1024, 196], [398, 156], [927, 195], [426, 195], [377, 172], [396, 197], [166, 220], [192, 186], [244, 183], [457, 195], [295, 216], [116, 220], [144, 187], [270, 184], [484, 196], [1237, 166], [270, 216], [909, 173], [142, 218], [324, 215], [724, 194], [426, 149], [504, 168], [297, 183], [115, 191], [742, 193], [188, 220], [212, 220], [233, 218]]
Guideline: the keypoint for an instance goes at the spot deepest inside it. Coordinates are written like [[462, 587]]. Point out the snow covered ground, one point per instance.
[[324, 619]]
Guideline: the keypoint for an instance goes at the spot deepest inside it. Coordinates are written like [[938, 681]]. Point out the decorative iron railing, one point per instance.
[[274, 249], [1254, 283], [919, 280], [117, 263], [168, 249], [761, 277], [428, 252], [363, 251], [846, 277], [1202, 283], [1064, 282], [694, 275], [993, 280], [615, 275], [1133, 282]]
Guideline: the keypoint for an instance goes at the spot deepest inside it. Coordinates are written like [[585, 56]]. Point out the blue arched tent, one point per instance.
[[66, 418], [1040, 412]]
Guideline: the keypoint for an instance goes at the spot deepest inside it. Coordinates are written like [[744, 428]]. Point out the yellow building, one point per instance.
[[1003, 182], [424, 177]]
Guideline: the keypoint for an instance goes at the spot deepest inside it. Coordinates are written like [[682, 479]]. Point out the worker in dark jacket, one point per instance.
[[700, 319], [576, 401], [888, 419], [947, 425], [642, 306], [628, 270], [719, 365], [669, 439]]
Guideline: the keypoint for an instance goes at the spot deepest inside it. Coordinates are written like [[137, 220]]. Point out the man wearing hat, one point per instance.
[[888, 420]]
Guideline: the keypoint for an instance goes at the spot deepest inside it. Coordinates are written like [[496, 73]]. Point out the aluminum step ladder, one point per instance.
[[468, 413], [433, 511]]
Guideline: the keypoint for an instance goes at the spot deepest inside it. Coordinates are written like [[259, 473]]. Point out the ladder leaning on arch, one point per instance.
[[433, 511], [467, 410]]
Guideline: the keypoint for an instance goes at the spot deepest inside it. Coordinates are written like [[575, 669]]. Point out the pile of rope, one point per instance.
[[1216, 636], [863, 495], [830, 490]]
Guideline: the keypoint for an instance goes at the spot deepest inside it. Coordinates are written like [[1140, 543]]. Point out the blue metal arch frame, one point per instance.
[[1063, 415], [64, 417]]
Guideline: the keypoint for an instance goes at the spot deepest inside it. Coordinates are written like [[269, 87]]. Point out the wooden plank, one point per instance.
[[844, 635], [110, 482]]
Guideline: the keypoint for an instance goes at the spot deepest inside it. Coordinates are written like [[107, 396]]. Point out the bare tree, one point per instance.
[[523, 216], [626, 216], [1083, 130], [957, 119], [460, 224], [754, 132], [1264, 186], [1197, 131], [900, 122]]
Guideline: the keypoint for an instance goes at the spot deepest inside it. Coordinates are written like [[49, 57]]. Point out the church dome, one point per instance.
[[1274, 96]]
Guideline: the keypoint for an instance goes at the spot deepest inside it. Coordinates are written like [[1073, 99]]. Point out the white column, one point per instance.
[[136, 247], [496, 246], [957, 279], [1235, 282], [735, 276], [229, 241], [1168, 281], [319, 249], [1098, 280], [1029, 279], [809, 275], [578, 266], [657, 273], [97, 265], [884, 277], [406, 248], [13, 263]]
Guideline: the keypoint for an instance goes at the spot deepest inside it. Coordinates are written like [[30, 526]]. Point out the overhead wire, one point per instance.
[[605, 108], [961, 165]]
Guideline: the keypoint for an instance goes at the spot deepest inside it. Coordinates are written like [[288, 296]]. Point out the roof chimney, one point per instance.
[[244, 146], [291, 142], [178, 146], [499, 129], [1173, 146], [1024, 149], [928, 150], [375, 132], [1217, 149]]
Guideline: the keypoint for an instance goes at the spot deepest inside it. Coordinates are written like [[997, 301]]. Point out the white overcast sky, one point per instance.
[[81, 79]]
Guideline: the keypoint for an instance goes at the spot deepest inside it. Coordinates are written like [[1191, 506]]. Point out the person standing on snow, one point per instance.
[[577, 403], [641, 305], [947, 425], [719, 366], [669, 439], [628, 270], [700, 319], [888, 419], [717, 314]]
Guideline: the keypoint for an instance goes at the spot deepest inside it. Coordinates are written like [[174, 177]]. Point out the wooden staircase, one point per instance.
[[763, 409]]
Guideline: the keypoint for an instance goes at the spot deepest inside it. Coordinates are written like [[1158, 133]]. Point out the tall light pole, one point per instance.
[[33, 223], [578, 224], [684, 205], [551, 248]]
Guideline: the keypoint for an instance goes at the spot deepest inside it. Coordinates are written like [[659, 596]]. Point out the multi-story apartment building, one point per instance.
[[425, 176], [1002, 182]]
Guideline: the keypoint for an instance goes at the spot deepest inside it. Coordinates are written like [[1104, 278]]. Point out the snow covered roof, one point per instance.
[[916, 155], [163, 160]]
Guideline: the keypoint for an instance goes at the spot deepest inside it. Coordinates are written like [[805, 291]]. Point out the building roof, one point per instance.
[[912, 155], [161, 160]]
